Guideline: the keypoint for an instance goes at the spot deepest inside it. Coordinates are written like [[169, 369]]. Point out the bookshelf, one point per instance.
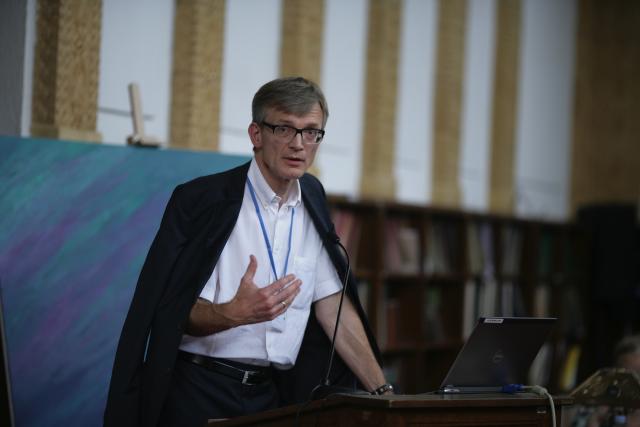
[[425, 274]]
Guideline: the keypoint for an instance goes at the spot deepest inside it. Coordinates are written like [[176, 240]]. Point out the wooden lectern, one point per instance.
[[520, 409]]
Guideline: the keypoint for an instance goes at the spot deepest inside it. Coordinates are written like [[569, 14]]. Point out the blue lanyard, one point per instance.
[[266, 238]]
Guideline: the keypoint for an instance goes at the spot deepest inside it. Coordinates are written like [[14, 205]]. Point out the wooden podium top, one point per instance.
[[523, 409]]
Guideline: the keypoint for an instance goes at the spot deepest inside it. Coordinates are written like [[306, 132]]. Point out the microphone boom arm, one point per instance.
[[326, 381]]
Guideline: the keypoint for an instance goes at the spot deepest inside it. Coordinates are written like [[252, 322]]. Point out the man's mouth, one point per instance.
[[294, 159]]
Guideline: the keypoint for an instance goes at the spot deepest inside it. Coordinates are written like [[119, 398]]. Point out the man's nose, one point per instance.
[[296, 142]]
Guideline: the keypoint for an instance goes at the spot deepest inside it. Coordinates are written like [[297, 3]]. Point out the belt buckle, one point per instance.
[[245, 378]]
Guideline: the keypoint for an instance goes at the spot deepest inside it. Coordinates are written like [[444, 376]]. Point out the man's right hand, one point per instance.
[[250, 304]]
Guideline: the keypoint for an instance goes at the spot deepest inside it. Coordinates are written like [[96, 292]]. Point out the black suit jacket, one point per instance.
[[196, 224]]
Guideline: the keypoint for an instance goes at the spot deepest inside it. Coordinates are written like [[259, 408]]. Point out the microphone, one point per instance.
[[325, 388]]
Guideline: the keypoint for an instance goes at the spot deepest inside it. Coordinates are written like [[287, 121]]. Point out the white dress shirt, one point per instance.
[[278, 341]]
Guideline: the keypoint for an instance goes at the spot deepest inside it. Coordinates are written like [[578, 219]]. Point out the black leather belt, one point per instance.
[[256, 375]]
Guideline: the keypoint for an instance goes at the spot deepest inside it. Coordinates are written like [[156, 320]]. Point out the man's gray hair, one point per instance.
[[293, 95]]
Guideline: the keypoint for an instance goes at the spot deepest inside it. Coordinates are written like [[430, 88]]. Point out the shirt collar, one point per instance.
[[265, 194]]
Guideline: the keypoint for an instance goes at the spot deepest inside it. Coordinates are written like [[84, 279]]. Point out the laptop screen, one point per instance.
[[498, 352]]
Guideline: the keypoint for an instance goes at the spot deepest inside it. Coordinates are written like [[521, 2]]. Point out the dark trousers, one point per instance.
[[198, 394]]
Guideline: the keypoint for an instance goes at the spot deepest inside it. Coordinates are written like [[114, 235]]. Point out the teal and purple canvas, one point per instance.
[[76, 221]]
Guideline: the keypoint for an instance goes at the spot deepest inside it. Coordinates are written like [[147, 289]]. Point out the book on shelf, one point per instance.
[[432, 315], [479, 241], [569, 370], [540, 370], [541, 300], [507, 299], [512, 300], [470, 308], [402, 248], [388, 316], [433, 251], [487, 296], [511, 250], [573, 322], [575, 257], [545, 254], [474, 249], [442, 249], [409, 245], [453, 247], [485, 235], [519, 305], [391, 246], [392, 322]]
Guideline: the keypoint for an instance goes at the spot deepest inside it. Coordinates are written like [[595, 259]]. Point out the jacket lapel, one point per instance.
[[227, 212], [316, 206]]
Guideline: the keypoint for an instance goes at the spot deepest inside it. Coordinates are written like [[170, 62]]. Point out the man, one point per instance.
[[627, 353], [239, 292]]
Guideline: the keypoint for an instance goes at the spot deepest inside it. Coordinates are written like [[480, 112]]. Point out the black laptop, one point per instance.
[[498, 353]]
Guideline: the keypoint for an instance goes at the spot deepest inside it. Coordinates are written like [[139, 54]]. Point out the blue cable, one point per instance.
[[512, 388]]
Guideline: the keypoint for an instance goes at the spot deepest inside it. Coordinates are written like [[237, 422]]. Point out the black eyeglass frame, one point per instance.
[[319, 136]]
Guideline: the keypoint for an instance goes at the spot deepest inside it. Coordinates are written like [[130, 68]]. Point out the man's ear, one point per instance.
[[255, 135]]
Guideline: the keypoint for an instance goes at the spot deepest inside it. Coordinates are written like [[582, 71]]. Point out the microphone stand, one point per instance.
[[325, 388]]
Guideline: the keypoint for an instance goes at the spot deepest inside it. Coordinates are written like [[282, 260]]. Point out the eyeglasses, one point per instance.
[[286, 133]]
